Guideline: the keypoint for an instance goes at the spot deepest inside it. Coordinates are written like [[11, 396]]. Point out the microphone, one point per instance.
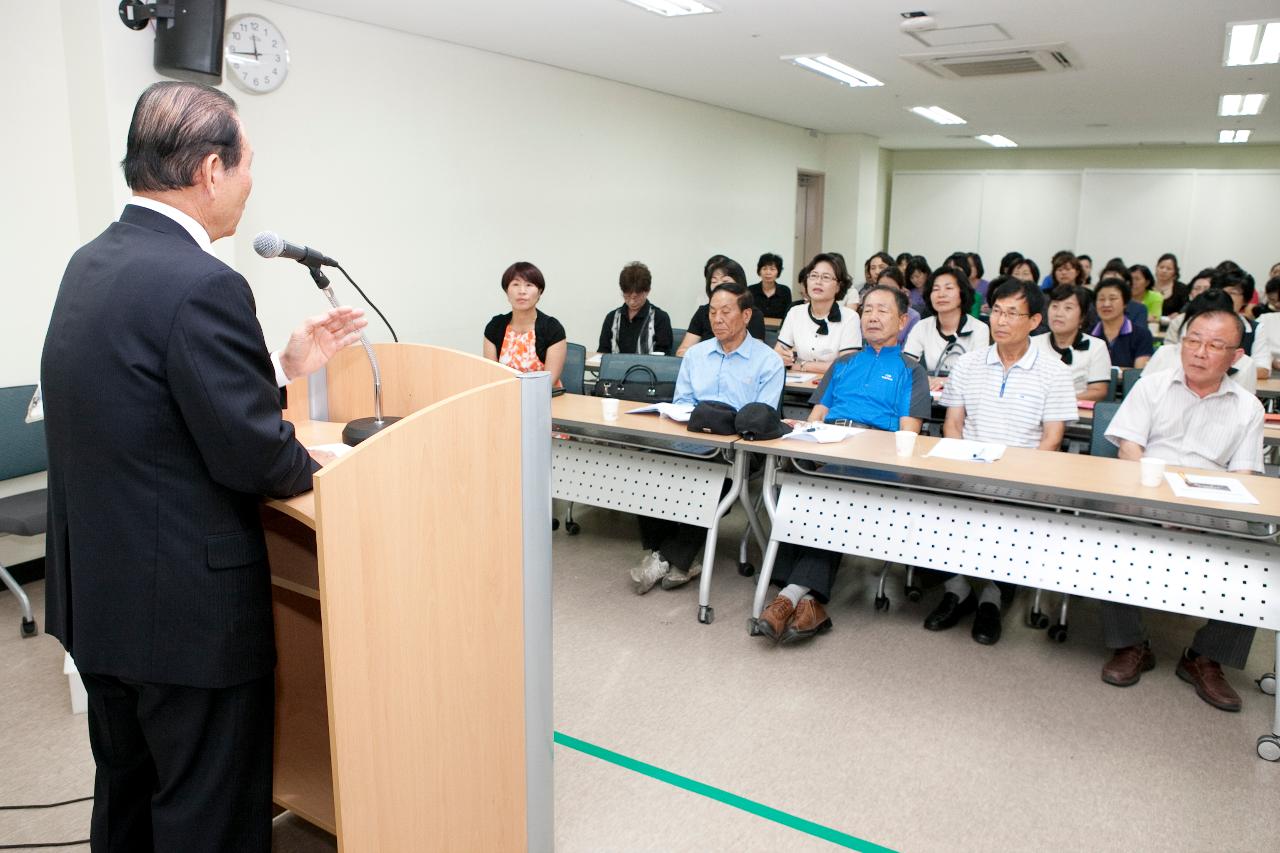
[[269, 244]]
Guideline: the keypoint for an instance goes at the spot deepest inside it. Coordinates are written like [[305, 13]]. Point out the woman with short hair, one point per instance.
[[1090, 361], [638, 326], [940, 339], [816, 333], [525, 339]]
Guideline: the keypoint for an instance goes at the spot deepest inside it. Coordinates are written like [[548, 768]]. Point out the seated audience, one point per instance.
[[1059, 256], [1266, 338], [1140, 285], [638, 326], [876, 387], [1007, 262], [871, 270], [1025, 270], [901, 262], [525, 339], [940, 339], [732, 367], [1169, 285], [1086, 265], [1238, 284], [1193, 416], [1011, 393], [1197, 286], [771, 298], [1271, 303], [917, 274], [718, 270], [892, 278], [1085, 355], [1066, 271], [816, 333], [977, 277], [1130, 343], [1169, 356]]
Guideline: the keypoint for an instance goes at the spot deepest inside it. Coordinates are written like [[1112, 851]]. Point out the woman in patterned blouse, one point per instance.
[[525, 339]]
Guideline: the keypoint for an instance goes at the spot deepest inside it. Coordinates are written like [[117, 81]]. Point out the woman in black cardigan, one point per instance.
[[526, 339]]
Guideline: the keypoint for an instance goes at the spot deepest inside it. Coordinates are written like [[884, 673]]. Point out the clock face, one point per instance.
[[256, 55]]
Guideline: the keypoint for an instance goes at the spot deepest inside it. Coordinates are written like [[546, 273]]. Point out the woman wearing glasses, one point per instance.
[[939, 340], [816, 333]]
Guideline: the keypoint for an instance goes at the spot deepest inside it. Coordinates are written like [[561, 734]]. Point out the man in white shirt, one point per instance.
[[1194, 416], [1011, 393]]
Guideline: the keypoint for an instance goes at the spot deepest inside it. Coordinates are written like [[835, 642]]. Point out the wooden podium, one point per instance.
[[412, 599]]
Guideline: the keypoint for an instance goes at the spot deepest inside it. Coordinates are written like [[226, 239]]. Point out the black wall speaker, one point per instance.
[[189, 45]]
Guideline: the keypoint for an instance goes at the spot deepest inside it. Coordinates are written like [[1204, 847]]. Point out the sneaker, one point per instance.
[[675, 577], [650, 570]]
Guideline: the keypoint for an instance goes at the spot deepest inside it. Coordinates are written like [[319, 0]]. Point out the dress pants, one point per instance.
[[806, 566], [181, 769], [1225, 642], [677, 541]]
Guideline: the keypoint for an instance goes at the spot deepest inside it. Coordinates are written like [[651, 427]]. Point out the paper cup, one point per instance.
[[904, 441], [609, 408], [1152, 471]]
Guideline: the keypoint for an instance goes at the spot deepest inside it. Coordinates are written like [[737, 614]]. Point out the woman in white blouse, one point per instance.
[[938, 340], [1087, 356], [816, 333]]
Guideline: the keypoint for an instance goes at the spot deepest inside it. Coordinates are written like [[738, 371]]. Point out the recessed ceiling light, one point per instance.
[[996, 140], [1241, 105], [1253, 43], [938, 115], [1230, 136], [673, 8], [834, 69]]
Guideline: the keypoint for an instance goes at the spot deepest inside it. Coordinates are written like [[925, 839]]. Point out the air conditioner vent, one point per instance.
[[1035, 59]]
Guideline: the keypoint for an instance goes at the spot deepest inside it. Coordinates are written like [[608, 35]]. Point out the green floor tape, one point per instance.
[[799, 824]]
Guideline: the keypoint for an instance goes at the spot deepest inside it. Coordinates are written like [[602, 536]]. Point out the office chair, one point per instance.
[[1131, 377], [575, 369], [1113, 385], [22, 452], [1103, 412]]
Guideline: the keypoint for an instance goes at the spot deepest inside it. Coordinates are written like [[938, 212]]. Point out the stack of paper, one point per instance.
[[1198, 487], [823, 433], [594, 360], [338, 450], [800, 378], [967, 451], [678, 412]]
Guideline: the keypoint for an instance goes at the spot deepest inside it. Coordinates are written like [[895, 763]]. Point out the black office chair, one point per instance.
[[575, 369], [22, 452], [1103, 412], [1131, 377]]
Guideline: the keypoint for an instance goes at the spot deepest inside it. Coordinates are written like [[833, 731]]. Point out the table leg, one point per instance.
[[737, 475]]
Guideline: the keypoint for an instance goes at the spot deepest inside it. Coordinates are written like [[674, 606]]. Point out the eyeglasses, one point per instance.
[[821, 276], [1215, 347], [1001, 314]]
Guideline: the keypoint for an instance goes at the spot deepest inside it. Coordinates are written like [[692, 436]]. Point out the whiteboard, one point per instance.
[[1033, 212], [935, 213], [1236, 216], [1135, 215]]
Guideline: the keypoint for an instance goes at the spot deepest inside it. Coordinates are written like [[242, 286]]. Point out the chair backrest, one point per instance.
[[22, 449], [614, 366], [1112, 385], [771, 337], [1131, 377], [575, 368], [677, 335], [1098, 444]]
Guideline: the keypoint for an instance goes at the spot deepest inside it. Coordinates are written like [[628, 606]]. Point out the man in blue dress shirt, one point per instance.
[[734, 368]]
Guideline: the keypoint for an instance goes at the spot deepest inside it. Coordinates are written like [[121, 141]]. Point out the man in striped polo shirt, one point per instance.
[[1011, 393]]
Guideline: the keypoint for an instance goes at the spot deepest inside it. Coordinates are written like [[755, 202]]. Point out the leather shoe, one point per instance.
[[1211, 685], [773, 621], [986, 625], [1127, 665], [809, 620], [950, 611]]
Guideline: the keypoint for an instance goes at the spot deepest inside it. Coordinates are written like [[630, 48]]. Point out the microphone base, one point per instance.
[[363, 428]]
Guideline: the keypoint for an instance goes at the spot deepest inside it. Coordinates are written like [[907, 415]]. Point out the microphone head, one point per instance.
[[268, 244]]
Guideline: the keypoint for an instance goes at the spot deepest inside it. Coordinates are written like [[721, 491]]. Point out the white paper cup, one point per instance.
[[1152, 471], [609, 408], [904, 441]]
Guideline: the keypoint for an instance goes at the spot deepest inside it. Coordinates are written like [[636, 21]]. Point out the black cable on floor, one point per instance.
[[44, 806]]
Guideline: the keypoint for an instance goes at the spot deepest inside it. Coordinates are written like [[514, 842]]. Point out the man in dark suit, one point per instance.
[[164, 429]]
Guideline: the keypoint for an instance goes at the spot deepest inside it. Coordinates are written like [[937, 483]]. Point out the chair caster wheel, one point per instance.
[[753, 627], [572, 528], [1037, 620], [746, 569], [913, 593], [1269, 748], [555, 524], [1058, 633], [29, 629], [882, 602], [1267, 684], [706, 615]]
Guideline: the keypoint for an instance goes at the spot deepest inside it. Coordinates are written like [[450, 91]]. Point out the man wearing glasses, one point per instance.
[[1198, 417], [1010, 393]]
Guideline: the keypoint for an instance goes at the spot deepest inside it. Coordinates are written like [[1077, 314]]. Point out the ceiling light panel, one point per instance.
[[1253, 43], [996, 140], [835, 69], [1233, 136], [938, 115], [1241, 105], [673, 8]]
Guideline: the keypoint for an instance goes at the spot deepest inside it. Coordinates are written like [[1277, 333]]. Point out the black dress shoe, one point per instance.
[[950, 611], [986, 625]]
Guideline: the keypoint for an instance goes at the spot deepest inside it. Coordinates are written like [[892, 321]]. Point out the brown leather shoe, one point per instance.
[[1211, 685], [773, 621], [810, 619], [1127, 665]]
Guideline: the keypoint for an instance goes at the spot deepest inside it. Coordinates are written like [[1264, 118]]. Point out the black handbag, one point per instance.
[[639, 384]]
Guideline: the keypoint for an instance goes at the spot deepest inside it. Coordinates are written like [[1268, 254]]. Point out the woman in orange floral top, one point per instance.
[[526, 339]]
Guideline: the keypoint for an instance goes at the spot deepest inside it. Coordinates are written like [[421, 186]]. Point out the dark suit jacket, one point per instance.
[[164, 429]]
